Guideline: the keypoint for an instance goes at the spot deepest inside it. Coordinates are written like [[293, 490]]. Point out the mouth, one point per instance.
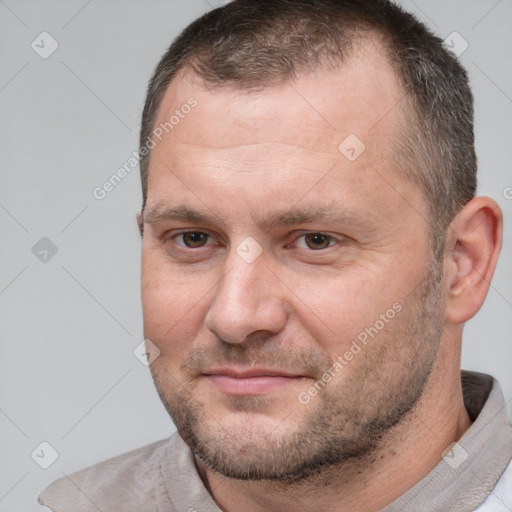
[[251, 382]]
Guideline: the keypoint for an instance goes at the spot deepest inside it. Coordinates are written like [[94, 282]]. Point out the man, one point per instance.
[[312, 246]]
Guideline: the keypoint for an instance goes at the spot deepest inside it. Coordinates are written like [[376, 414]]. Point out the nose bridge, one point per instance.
[[243, 281], [246, 299]]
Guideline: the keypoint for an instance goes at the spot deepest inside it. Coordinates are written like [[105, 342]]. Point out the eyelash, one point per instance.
[[332, 240], [183, 233]]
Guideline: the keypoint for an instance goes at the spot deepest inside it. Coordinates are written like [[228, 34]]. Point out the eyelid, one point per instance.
[[213, 239], [336, 238], [179, 232]]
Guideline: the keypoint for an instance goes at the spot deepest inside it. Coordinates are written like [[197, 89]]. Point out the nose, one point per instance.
[[247, 300]]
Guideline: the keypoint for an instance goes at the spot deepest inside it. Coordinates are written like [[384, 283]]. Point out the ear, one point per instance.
[[140, 223], [474, 242]]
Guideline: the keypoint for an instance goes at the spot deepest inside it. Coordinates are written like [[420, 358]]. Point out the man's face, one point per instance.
[[270, 255]]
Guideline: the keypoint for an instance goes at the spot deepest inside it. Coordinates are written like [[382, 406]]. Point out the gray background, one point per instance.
[[69, 324]]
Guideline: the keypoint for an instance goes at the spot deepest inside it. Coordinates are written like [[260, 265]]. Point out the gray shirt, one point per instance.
[[474, 474]]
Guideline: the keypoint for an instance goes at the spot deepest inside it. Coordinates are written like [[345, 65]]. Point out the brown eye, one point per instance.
[[317, 240], [194, 239]]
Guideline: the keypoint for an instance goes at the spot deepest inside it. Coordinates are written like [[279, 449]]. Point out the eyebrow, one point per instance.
[[311, 214], [161, 213], [333, 214]]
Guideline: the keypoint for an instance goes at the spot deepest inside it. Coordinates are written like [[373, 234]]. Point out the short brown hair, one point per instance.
[[257, 43]]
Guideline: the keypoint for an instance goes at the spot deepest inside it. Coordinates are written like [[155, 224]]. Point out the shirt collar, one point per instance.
[[471, 467]]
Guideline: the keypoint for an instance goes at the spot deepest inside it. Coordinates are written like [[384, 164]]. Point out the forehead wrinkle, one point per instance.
[[250, 157], [262, 146]]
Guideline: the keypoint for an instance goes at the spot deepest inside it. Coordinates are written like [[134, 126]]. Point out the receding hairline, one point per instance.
[[363, 39], [365, 42]]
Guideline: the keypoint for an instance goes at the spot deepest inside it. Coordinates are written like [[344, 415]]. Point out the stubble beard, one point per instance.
[[342, 425]]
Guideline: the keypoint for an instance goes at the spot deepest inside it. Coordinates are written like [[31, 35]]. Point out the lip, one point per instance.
[[250, 382]]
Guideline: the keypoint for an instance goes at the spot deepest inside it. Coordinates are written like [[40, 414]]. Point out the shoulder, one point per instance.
[[121, 483], [500, 498]]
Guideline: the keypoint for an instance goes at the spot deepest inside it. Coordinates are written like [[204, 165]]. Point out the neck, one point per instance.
[[405, 455]]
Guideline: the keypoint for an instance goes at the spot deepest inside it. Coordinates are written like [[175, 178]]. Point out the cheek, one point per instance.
[[335, 311], [173, 306]]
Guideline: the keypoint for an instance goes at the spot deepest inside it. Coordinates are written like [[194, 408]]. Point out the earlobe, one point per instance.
[[475, 235]]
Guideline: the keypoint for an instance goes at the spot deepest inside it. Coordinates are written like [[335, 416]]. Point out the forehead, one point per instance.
[[318, 109], [308, 125]]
